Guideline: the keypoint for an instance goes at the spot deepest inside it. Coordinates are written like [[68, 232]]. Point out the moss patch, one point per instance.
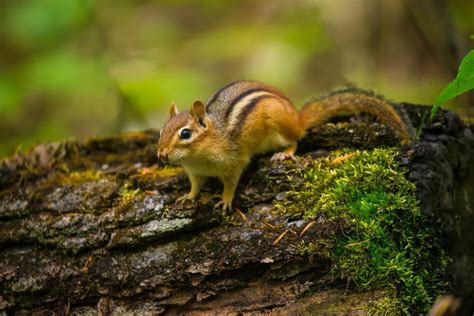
[[66, 177], [390, 243], [83, 176], [127, 192]]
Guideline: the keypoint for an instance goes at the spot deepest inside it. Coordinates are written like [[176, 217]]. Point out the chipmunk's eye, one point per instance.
[[185, 133]]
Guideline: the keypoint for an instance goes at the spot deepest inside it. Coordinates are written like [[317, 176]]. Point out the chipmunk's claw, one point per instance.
[[282, 156], [185, 199], [226, 207]]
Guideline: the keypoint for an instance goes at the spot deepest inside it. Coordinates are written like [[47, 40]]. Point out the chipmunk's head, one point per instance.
[[183, 132]]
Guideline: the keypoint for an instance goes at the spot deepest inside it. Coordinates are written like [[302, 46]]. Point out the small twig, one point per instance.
[[342, 158], [269, 225], [422, 124], [280, 237], [308, 226], [356, 243], [67, 308], [242, 215]]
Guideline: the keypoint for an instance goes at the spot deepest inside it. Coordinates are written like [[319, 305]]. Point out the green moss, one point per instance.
[[390, 244], [384, 306], [76, 177], [127, 192], [83, 176]]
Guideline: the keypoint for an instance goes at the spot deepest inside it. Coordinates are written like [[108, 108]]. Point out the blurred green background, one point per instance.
[[76, 68]]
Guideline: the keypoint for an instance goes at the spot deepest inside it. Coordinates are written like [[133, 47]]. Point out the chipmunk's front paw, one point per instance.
[[225, 207], [186, 200]]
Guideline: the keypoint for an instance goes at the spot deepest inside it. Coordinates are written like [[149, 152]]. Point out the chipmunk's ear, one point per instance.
[[198, 111], [173, 109]]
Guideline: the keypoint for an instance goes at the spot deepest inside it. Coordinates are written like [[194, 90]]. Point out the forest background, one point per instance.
[[77, 68]]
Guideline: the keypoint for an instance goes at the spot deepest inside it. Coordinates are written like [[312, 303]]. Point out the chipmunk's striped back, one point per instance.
[[247, 118], [234, 102]]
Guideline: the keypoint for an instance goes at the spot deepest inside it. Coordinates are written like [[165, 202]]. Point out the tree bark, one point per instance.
[[92, 227]]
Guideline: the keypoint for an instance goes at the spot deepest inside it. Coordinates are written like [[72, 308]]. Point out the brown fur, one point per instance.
[[261, 119], [167, 137], [354, 101], [271, 119]]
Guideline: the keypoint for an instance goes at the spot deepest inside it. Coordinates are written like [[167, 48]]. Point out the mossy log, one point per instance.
[[92, 227]]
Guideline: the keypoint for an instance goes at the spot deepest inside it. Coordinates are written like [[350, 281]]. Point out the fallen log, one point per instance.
[[92, 226]]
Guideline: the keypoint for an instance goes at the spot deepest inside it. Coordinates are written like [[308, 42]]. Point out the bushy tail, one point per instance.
[[354, 101]]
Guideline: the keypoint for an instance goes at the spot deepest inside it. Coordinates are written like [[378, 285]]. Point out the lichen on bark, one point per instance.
[[92, 225]]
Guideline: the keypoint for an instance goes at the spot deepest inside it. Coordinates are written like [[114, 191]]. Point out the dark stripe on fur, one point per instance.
[[218, 93], [238, 98], [245, 112]]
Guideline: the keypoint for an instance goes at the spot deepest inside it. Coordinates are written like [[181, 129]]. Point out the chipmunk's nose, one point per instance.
[[162, 155]]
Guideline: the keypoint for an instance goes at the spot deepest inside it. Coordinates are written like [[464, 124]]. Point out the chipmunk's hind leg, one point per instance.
[[288, 153], [285, 122]]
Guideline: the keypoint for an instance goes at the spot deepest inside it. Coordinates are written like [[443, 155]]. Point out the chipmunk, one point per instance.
[[246, 118]]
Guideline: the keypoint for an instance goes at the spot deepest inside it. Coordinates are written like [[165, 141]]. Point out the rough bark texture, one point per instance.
[[441, 165], [91, 227]]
